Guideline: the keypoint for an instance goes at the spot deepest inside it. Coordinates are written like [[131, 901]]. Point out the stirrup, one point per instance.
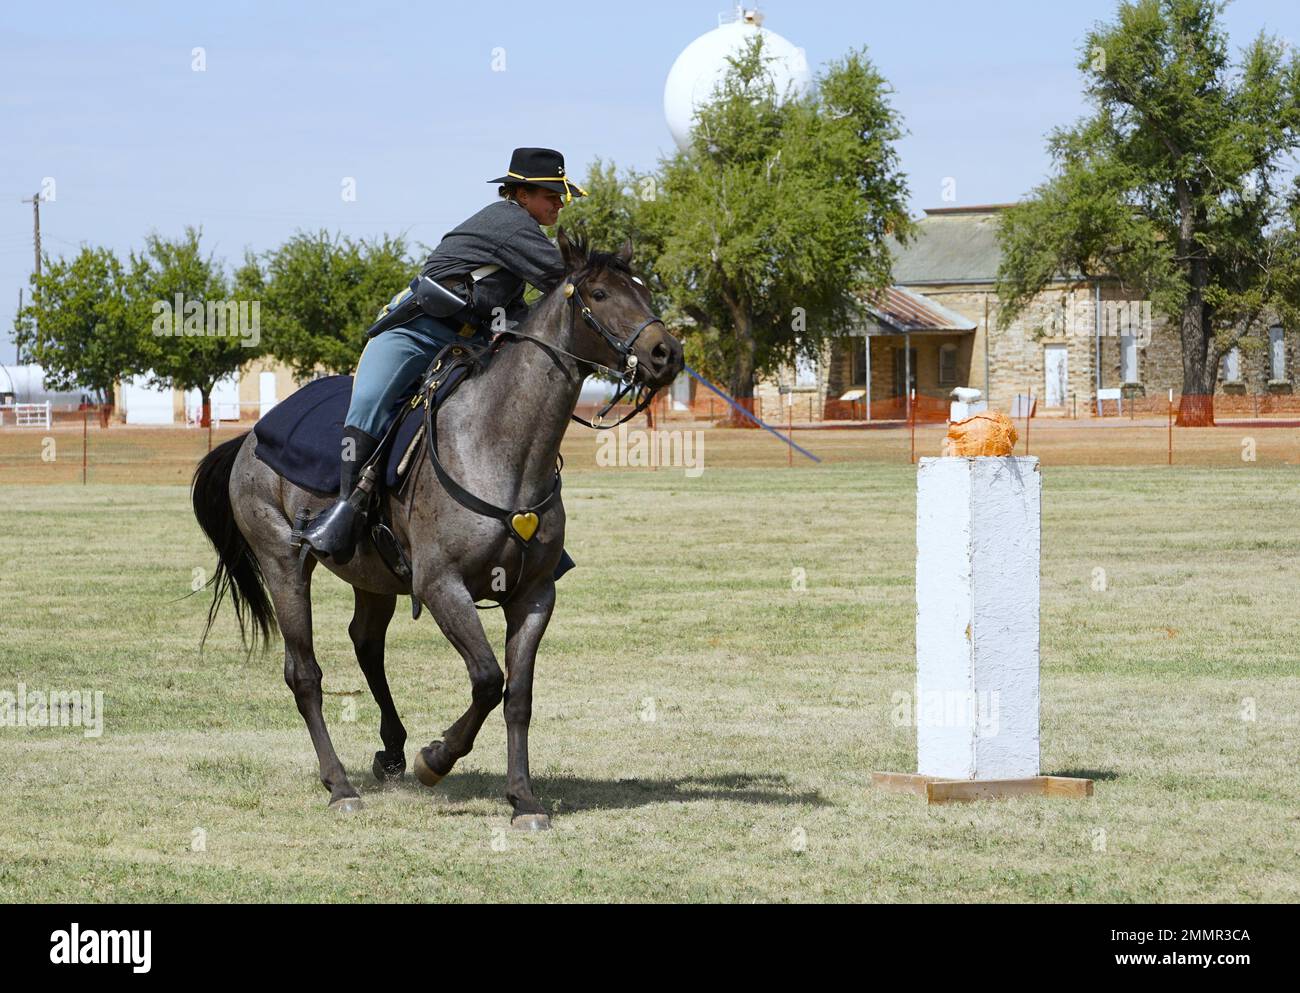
[[339, 556], [296, 542]]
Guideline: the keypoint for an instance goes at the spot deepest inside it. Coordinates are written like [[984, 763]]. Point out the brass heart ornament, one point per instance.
[[524, 525]]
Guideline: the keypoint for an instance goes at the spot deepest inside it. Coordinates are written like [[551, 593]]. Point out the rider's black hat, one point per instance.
[[540, 167]]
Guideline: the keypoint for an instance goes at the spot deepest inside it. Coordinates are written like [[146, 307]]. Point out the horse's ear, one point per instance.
[[572, 254], [625, 252]]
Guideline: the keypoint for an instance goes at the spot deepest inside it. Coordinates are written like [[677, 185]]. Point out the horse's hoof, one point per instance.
[[531, 822], [346, 804], [386, 771], [423, 773]]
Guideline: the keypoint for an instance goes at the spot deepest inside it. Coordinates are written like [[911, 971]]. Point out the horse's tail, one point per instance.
[[237, 568]]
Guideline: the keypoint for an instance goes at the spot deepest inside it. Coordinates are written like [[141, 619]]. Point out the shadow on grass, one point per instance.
[[1102, 774], [572, 793]]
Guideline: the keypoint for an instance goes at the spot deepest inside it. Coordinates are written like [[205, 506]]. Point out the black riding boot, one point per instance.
[[333, 533]]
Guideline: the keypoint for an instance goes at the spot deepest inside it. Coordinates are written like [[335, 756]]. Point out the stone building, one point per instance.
[[936, 328]]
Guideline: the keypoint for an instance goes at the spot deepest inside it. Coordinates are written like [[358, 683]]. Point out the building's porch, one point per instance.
[[912, 344]]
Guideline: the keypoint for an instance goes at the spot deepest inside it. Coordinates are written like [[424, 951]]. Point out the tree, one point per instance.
[[85, 337], [322, 292], [770, 228], [193, 331], [1170, 186], [776, 221], [614, 211]]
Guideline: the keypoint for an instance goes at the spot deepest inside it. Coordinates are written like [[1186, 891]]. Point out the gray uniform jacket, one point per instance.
[[505, 234]]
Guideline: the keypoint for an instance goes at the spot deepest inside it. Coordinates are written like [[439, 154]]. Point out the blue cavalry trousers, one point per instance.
[[390, 368]]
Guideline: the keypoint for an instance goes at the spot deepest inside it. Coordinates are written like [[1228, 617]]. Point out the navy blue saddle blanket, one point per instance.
[[301, 438]]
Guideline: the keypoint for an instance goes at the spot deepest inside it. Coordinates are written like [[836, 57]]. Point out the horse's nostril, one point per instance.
[[661, 355]]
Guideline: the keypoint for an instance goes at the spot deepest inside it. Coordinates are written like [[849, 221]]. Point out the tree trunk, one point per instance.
[[1200, 364], [205, 395], [1200, 367], [742, 373]]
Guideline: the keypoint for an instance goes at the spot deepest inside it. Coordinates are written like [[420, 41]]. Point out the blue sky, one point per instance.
[[404, 98]]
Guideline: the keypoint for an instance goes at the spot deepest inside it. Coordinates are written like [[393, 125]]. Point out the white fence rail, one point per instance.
[[28, 415]]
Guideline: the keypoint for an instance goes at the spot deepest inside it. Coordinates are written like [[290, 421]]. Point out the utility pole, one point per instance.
[[35, 201]]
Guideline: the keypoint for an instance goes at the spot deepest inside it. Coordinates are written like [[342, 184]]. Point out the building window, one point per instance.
[[805, 371], [904, 364], [1232, 366], [858, 367], [1276, 354], [1128, 358], [948, 365]]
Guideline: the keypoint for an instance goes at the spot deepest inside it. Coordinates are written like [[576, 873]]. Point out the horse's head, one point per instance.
[[614, 324]]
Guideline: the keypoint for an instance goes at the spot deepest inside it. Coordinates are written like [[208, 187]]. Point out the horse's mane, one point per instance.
[[594, 264]]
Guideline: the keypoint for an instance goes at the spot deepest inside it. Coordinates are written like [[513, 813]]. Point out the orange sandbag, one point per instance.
[[983, 434]]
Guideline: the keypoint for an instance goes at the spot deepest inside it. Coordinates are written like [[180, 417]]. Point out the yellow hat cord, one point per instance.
[[568, 196]]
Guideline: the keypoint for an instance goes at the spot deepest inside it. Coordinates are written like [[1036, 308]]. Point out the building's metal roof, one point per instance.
[[902, 311], [951, 245], [954, 245]]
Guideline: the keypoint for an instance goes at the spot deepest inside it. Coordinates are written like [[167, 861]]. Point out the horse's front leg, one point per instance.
[[526, 618], [453, 608]]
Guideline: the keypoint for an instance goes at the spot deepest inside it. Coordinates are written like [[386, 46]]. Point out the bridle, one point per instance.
[[622, 347]]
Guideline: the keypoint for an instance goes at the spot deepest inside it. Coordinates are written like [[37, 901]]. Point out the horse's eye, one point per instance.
[[598, 295]]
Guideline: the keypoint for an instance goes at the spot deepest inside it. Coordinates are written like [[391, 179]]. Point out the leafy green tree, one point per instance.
[[614, 211], [77, 324], [1171, 186], [191, 330], [775, 222], [769, 230], [321, 292]]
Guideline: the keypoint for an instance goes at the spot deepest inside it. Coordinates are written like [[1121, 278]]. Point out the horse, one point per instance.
[[497, 439]]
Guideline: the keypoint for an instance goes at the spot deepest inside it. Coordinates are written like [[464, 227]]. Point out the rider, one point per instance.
[[485, 261]]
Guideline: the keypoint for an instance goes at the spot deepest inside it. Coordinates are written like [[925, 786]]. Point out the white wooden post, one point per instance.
[[868, 339], [977, 599]]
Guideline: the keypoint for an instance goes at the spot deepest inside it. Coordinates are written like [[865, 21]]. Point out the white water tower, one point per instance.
[[703, 63]]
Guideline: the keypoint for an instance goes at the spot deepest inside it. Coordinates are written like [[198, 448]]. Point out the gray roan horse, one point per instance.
[[499, 438]]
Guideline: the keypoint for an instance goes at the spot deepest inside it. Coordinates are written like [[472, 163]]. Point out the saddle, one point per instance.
[[300, 437], [448, 370]]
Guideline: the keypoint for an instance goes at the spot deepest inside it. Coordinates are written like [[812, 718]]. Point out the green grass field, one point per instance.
[[703, 730]]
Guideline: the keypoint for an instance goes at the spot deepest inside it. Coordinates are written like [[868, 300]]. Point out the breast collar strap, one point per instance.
[[477, 504], [521, 525]]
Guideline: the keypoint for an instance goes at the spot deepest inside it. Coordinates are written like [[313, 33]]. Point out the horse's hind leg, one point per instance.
[[368, 628], [302, 674]]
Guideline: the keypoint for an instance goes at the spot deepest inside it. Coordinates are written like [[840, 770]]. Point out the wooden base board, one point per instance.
[[938, 790]]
